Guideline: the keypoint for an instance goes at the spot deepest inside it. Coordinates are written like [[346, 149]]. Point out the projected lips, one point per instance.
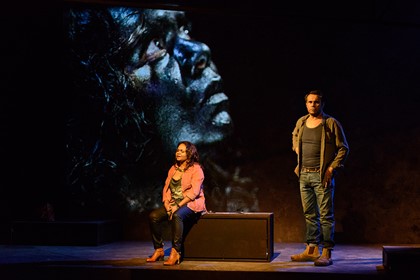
[[222, 117], [209, 117], [215, 109]]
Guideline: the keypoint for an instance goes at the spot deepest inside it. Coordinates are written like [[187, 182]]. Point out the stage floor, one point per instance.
[[126, 260]]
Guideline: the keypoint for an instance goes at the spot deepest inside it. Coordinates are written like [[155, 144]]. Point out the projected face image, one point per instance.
[[177, 75], [149, 58], [138, 84]]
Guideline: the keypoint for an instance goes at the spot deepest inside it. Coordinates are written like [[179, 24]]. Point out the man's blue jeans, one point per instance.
[[318, 209]]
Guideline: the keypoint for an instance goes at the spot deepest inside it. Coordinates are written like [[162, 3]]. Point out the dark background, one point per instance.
[[363, 54]]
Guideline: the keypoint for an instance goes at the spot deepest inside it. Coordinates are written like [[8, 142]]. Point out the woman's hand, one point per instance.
[[167, 205], [174, 207], [172, 210]]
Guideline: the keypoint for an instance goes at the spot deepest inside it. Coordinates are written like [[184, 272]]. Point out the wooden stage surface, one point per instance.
[[126, 260]]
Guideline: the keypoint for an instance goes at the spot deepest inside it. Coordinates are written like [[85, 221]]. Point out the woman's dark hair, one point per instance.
[[192, 154]]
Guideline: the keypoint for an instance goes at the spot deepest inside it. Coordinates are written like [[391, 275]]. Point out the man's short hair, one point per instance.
[[316, 92]]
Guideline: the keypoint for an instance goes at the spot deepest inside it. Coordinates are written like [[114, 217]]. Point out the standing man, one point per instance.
[[319, 141]]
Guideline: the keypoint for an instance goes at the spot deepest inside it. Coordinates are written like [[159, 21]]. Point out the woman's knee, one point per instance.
[[177, 216], [154, 216]]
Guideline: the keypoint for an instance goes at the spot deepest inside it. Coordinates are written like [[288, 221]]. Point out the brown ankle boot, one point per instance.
[[158, 255], [311, 253], [174, 258], [325, 258]]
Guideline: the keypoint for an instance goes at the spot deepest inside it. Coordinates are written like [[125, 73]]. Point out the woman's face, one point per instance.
[[181, 153], [176, 76]]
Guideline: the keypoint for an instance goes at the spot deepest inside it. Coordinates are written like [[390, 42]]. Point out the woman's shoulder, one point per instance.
[[172, 168], [196, 167]]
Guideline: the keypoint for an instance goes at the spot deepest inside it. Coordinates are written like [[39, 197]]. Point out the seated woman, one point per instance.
[[183, 202]]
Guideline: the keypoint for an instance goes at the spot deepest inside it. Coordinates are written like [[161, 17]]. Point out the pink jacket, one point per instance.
[[192, 187]]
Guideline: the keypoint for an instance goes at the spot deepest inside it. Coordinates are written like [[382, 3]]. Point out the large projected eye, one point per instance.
[[184, 32], [155, 50]]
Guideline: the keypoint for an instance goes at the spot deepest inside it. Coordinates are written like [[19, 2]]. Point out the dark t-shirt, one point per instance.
[[311, 146]]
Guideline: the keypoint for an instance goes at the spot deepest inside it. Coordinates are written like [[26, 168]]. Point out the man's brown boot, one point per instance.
[[325, 258], [311, 253]]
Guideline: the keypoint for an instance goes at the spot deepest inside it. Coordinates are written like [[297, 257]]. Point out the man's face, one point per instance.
[[313, 104], [177, 79]]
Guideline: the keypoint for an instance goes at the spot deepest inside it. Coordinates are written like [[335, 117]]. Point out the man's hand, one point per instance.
[[329, 173]]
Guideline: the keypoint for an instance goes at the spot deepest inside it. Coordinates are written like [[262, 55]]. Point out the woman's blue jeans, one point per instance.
[[318, 209], [182, 221]]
